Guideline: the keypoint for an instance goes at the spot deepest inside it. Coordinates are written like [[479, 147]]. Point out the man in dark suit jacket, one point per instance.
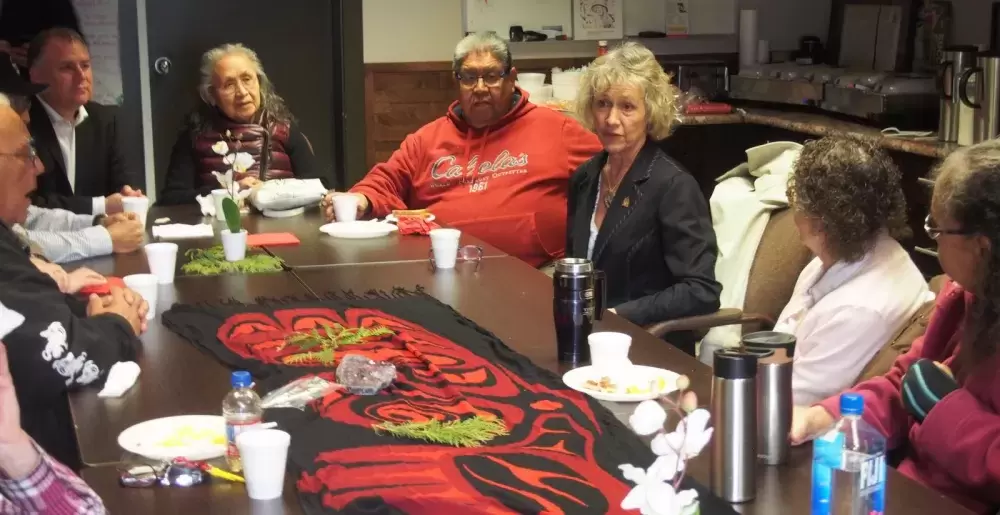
[[77, 140]]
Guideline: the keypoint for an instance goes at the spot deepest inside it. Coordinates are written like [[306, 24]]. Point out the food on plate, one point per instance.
[[185, 436], [604, 385], [418, 213], [607, 385]]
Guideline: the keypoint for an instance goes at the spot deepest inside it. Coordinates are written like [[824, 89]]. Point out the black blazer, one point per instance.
[[101, 169], [656, 244]]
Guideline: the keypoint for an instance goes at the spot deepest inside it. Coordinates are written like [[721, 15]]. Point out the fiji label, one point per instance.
[[871, 484]]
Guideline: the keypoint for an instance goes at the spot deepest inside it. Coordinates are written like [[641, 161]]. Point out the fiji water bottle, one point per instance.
[[848, 475], [241, 409]]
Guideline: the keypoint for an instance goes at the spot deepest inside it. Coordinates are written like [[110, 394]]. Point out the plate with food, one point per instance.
[[638, 383], [419, 213], [195, 437], [358, 230]]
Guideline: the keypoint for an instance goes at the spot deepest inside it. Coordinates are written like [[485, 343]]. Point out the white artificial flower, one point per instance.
[[225, 181], [648, 418], [239, 161], [688, 439], [221, 148], [653, 494]]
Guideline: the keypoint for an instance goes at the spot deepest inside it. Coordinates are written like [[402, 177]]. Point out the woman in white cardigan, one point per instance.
[[848, 205]]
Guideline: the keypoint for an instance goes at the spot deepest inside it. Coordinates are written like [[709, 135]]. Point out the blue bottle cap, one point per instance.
[[852, 404], [240, 379]]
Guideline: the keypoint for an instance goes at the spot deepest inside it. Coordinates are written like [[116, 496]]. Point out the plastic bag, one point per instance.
[[284, 194], [299, 393]]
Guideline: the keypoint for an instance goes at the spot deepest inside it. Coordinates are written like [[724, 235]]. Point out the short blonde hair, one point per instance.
[[633, 64]]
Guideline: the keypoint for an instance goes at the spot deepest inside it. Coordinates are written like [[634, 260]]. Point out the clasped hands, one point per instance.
[[120, 301]]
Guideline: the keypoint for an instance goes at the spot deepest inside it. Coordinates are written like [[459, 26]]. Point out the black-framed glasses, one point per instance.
[[933, 232], [490, 79]]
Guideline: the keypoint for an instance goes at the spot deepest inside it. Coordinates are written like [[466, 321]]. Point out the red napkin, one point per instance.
[[272, 239], [415, 225], [102, 289]]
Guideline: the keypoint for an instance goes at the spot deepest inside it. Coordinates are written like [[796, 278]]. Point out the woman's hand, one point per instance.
[[249, 182], [123, 302], [81, 278], [808, 423]]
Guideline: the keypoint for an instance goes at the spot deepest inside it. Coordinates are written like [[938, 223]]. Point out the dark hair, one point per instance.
[[968, 188], [852, 187], [39, 42]]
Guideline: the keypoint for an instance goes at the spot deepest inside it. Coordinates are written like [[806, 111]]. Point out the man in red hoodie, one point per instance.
[[495, 166]]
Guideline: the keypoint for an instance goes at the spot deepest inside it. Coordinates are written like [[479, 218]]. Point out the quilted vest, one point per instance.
[[243, 137]]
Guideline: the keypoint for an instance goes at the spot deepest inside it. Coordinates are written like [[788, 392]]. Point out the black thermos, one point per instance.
[[578, 300]]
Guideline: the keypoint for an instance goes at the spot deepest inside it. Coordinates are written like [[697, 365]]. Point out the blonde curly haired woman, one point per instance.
[[634, 211]]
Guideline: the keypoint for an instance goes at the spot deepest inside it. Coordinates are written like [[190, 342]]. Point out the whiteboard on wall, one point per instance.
[[705, 17], [500, 15], [99, 24]]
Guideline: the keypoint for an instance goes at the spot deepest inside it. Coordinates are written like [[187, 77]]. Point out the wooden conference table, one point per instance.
[[504, 295]]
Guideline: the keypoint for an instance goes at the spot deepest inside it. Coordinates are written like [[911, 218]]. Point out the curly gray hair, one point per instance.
[[481, 42], [270, 102]]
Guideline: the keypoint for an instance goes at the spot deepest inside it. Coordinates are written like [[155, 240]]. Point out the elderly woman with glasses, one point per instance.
[[848, 206], [241, 109], [634, 211], [938, 405]]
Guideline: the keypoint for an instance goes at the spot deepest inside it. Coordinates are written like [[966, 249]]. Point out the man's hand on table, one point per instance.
[[363, 205], [123, 302], [81, 278], [18, 456], [113, 203], [126, 233]]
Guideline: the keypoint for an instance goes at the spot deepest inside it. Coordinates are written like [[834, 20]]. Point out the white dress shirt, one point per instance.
[[64, 236], [66, 135], [842, 318]]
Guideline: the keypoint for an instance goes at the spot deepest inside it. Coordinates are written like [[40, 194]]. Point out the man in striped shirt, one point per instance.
[[31, 481]]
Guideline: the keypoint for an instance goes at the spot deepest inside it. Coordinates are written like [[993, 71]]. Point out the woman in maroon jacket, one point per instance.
[[940, 403]]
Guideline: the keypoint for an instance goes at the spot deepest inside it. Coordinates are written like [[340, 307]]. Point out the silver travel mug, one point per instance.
[[774, 406], [734, 410]]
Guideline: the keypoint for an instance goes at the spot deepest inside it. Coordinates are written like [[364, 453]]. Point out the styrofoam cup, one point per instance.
[[609, 352], [162, 261], [345, 207], [217, 196], [264, 453], [137, 205], [444, 245], [145, 285]]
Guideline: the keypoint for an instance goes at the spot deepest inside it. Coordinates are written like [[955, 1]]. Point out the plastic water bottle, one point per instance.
[[848, 475], [241, 409]]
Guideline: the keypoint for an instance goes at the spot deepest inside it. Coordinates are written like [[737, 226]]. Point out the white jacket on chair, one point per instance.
[[741, 207]]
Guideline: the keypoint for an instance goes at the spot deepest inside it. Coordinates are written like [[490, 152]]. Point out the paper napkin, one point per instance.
[[182, 231], [121, 377]]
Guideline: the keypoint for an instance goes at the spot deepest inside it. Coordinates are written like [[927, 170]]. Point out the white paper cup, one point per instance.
[[263, 453], [609, 352], [147, 286], [345, 207], [137, 205], [444, 245], [217, 196], [162, 261]]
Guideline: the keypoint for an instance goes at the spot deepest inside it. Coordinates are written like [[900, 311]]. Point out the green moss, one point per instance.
[[212, 261], [471, 432]]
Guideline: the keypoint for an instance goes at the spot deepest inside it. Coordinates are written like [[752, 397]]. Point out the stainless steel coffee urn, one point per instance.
[[956, 60], [979, 89]]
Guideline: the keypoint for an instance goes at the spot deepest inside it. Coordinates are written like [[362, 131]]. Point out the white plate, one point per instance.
[[148, 438], [392, 218], [358, 230], [638, 375]]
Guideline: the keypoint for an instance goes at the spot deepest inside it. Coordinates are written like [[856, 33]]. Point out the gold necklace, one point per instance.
[[609, 190]]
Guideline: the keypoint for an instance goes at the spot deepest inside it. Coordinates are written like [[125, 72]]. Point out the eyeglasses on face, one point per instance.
[[933, 231], [491, 79], [28, 156]]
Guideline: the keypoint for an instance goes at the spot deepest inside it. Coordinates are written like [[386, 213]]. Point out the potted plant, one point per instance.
[[657, 489], [234, 237]]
